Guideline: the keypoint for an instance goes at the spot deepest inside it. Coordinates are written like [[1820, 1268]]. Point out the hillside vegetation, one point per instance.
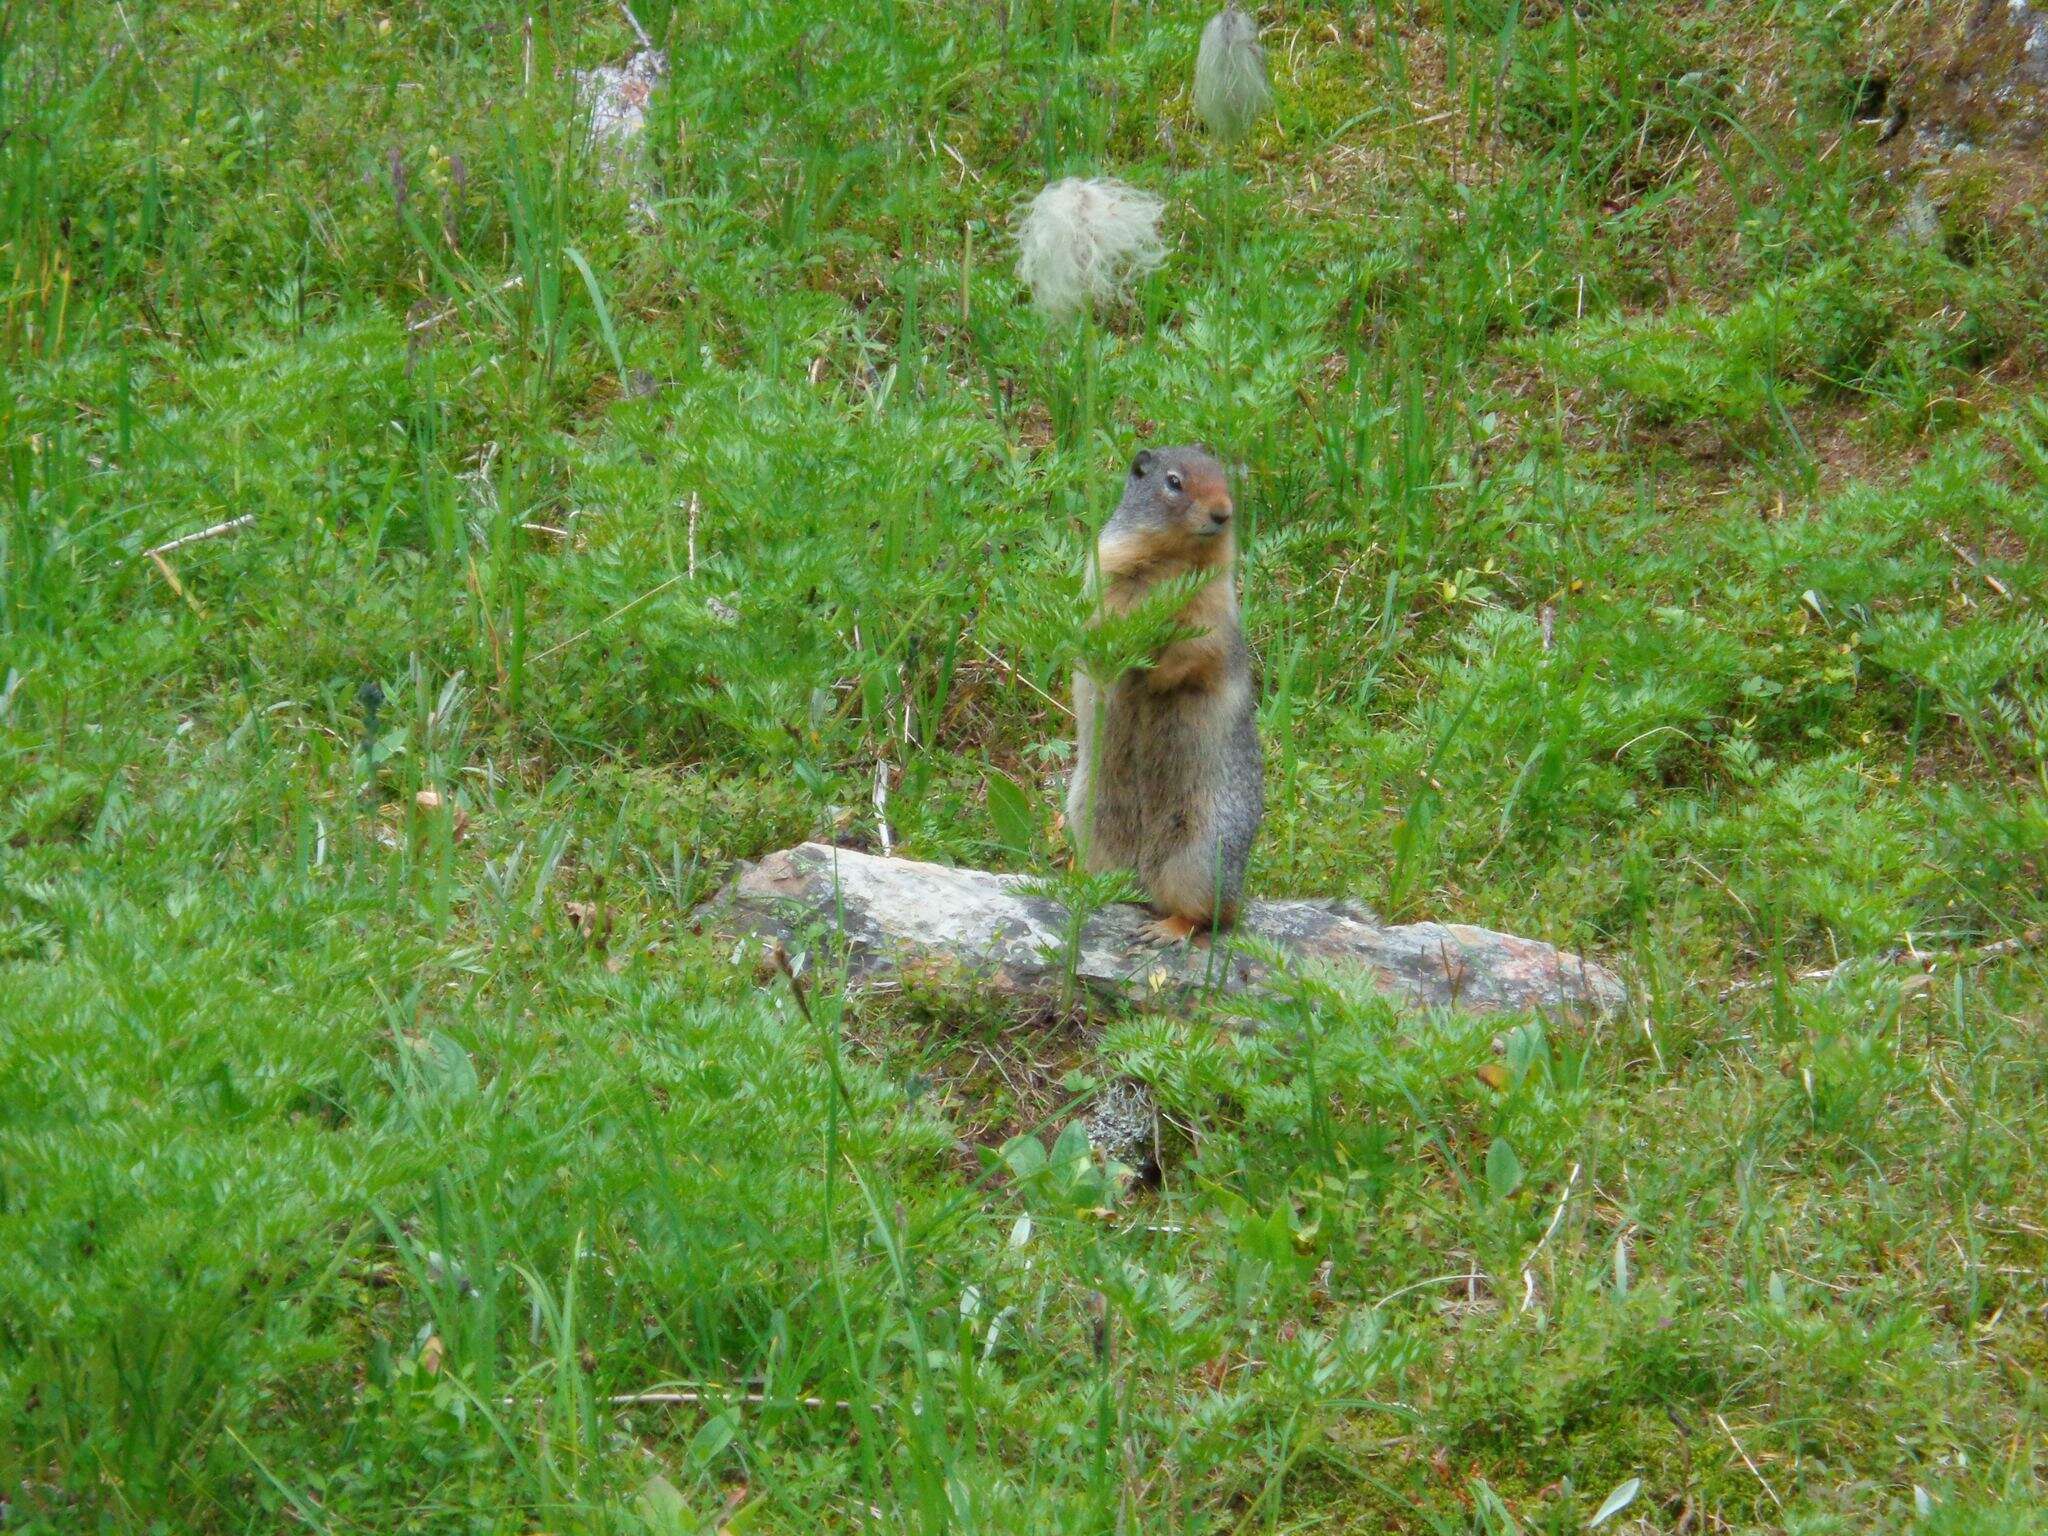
[[1642, 435]]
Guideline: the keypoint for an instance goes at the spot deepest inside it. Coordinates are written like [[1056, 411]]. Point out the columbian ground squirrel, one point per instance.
[[1168, 778]]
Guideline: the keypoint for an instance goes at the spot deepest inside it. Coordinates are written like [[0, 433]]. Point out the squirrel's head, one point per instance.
[[1176, 510]]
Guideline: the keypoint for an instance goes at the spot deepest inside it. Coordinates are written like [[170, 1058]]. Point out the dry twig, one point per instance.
[[1017, 677], [1469, 1278], [685, 1396], [881, 798], [1970, 559], [218, 530], [1926, 959], [428, 322], [1747, 1462], [634, 22], [653, 591]]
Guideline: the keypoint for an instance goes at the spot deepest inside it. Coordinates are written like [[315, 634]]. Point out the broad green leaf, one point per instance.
[[1503, 1168], [1624, 1494], [1025, 1156], [712, 1439], [1072, 1152], [1010, 808], [661, 1505]]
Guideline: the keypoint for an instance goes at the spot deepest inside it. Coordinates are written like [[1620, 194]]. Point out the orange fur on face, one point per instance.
[[1207, 489]]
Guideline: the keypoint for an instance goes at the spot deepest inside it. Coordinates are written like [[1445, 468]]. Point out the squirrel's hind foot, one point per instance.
[[1176, 930]]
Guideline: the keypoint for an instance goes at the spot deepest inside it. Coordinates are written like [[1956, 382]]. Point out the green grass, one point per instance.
[[1644, 551]]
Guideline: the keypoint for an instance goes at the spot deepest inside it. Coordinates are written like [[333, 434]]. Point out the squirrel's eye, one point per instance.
[[1173, 482]]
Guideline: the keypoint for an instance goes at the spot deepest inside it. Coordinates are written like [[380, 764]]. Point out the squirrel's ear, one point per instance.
[[1141, 463]]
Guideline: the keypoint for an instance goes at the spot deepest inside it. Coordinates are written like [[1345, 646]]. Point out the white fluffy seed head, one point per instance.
[[1085, 242], [1230, 75]]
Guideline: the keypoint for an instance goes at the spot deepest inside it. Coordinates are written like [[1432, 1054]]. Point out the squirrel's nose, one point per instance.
[[1219, 513]]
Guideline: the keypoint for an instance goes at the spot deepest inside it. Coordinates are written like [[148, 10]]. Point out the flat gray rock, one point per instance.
[[895, 914]]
